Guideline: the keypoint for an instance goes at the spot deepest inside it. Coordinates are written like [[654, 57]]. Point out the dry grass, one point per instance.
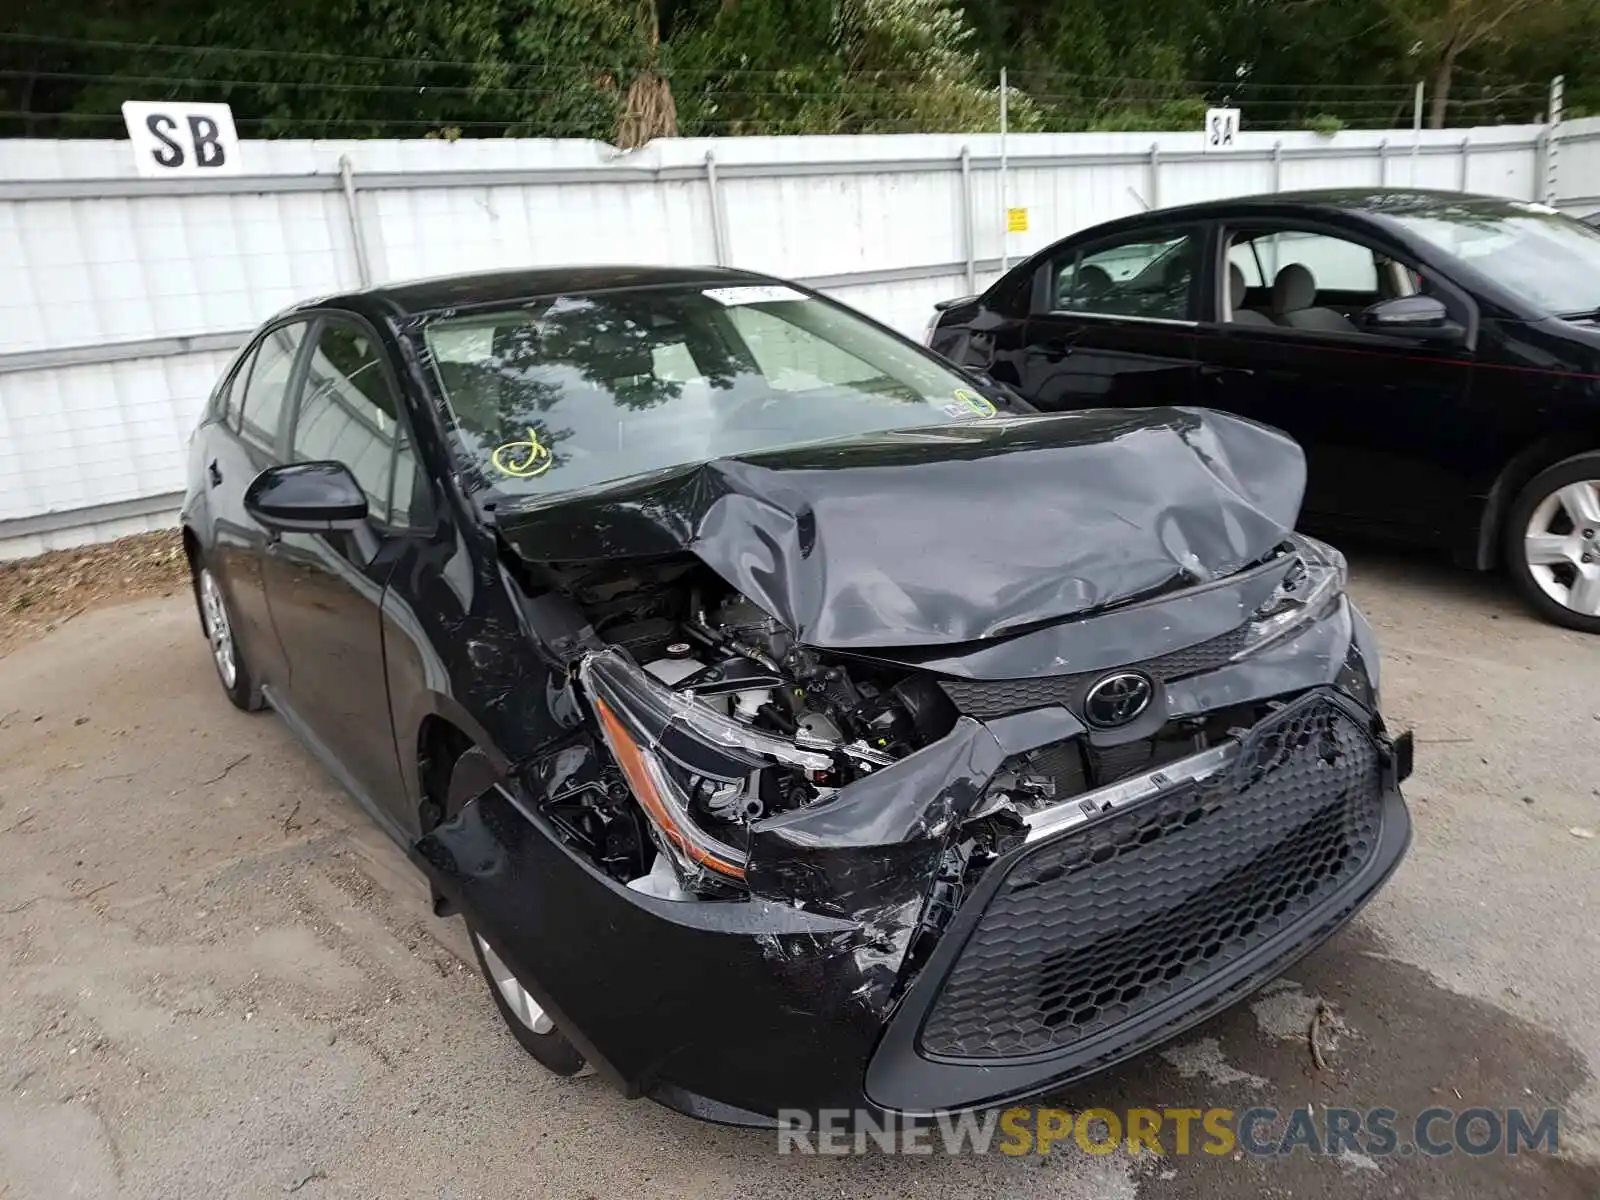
[[39, 594]]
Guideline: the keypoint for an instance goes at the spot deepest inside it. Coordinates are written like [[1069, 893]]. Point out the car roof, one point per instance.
[[1371, 202], [506, 287]]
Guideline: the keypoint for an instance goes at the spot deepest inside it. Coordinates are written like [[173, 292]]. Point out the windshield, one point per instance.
[[1549, 260], [574, 391]]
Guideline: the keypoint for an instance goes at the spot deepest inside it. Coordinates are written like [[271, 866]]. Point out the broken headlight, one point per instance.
[[679, 756], [1312, 586]]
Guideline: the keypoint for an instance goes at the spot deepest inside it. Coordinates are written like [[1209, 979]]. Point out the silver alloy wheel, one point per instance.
[[1562, 546], [527, 1009], [218, 631]]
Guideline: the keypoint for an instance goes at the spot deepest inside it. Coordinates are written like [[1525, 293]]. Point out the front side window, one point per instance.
[[573, 391], [267, 389], [1148, 276], [348, 412], [1335, 264], [1546, 258]]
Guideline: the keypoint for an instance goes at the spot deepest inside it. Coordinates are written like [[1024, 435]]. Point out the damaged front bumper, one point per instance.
[[1116, 919]]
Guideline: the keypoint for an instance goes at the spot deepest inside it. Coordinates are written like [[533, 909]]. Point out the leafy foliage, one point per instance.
[[629, 70]]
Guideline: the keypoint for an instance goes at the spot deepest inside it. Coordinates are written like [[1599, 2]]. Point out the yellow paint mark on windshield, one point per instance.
[[974, 403], [524, 459]]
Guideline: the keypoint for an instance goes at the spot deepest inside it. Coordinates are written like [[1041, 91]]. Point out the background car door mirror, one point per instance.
[[1422, 317], [314, 497]]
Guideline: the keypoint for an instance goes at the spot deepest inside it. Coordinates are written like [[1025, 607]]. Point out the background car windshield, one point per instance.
[[579, 390], [1548, 259]]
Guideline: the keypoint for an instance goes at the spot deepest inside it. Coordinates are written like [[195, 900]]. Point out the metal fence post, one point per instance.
[[967, 236], [1277, 165], [1383, 162], [1552, 157], [1005, 188], [1466, 158], [347, 178], [1155, 174], [1416, 132], [719, 231]]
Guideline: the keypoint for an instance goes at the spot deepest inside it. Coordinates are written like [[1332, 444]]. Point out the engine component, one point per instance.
[[677, 666]]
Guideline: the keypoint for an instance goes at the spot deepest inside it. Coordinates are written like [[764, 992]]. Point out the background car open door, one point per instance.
[[1297, 348], [1111, 323]]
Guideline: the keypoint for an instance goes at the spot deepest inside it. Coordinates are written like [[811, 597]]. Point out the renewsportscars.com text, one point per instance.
[[1258, 1132]]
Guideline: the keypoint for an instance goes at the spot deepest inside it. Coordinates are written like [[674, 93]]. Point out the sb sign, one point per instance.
[[174, 138], [1222, 127]]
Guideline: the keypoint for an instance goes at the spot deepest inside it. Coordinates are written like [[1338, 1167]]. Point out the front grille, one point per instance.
[[995, 697], [1098, 926]]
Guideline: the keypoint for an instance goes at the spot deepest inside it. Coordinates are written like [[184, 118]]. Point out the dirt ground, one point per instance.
[[219, 980], [38, 594]]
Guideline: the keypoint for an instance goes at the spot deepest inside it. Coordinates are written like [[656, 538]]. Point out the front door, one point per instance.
[[1374, 413], [1112, 324], [325, 590]]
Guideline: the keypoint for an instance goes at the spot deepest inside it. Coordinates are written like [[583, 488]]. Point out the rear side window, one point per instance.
[[224, 405], [348, 414], [1145, 275], [267, 387]]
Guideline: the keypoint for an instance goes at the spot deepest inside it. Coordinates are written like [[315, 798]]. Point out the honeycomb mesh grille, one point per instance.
[[996, 697], [1096, 927]]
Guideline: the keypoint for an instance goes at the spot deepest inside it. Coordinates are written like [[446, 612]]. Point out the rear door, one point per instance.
[[1111, 323], [248, 438], [1375, 413]]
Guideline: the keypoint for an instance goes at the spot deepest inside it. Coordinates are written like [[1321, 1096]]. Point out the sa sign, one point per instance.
[[175, 138], [1222, 126]]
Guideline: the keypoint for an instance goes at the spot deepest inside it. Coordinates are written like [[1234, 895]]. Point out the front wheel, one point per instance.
[[524, 1016], [1552, 543]]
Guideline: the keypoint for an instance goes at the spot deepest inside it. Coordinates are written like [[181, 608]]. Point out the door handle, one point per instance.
[[1056, 353], [215, 473], [1213, 371]]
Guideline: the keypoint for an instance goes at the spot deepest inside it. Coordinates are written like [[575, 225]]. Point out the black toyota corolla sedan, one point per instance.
[[1436, 354], [795, 724]]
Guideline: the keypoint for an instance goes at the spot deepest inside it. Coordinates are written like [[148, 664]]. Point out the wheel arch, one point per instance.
[[1513, 477], [444, 736]]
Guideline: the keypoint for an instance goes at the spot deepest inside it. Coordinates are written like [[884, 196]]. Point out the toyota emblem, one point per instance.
[[1117, 699]]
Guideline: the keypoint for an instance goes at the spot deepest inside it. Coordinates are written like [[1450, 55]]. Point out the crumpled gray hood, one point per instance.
[[957, 532]]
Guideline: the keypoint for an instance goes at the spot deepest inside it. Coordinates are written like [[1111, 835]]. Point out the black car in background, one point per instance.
[[793, 727], [1436, 354]]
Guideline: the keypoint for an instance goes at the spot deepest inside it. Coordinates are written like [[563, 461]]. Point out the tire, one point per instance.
[[535, 1032], [529, 1024], [1552, 543], [216, 620]]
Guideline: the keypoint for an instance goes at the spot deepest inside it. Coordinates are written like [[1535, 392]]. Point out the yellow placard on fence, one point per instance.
[[1016, 220]]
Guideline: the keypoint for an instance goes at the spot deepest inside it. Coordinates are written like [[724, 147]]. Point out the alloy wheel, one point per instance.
[[518, 1000], [1562, 546], [214, 613]]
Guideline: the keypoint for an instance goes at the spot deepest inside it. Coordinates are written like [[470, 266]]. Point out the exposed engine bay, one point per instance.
[[797, 724]]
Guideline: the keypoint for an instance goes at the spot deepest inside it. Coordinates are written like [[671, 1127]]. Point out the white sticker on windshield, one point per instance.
[[754, 294]]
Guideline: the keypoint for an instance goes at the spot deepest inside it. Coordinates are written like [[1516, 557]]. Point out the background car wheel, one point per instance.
[[1552, 543], [523, 1015], [217, 621]]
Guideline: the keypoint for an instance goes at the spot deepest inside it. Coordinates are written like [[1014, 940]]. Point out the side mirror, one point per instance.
[[1421, 317], [314, 497]]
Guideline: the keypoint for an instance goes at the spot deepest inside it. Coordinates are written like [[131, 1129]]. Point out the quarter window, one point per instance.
[[348, 413], [1149, 276], [268, 386]]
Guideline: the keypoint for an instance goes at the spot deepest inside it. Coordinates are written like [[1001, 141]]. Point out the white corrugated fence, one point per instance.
[[123, 296]]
